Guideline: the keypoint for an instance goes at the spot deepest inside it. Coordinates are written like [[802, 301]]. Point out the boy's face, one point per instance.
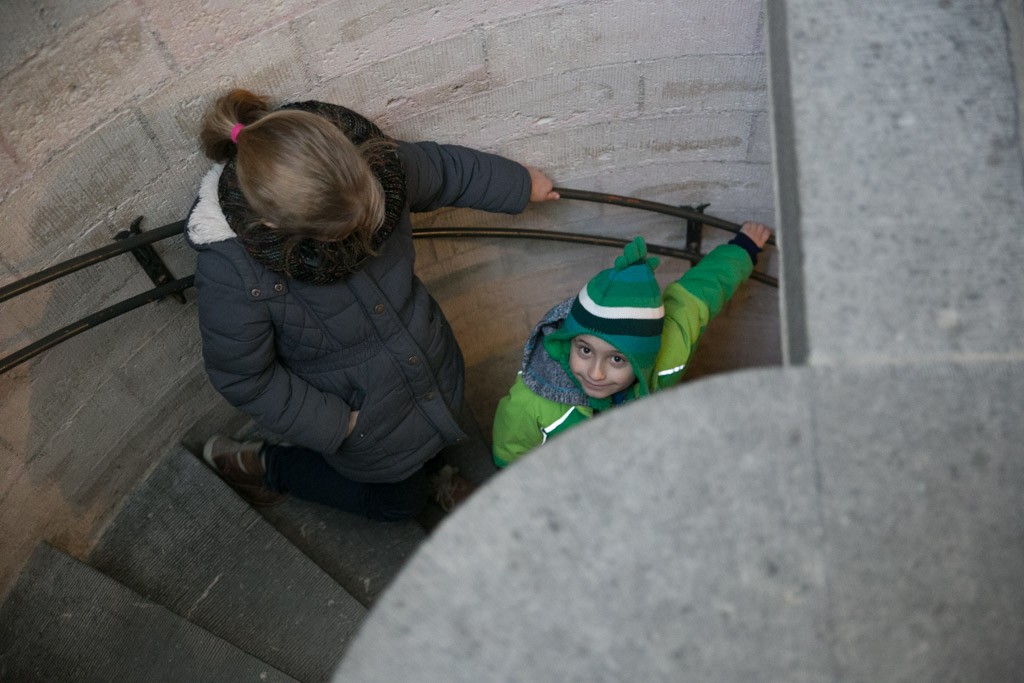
[[599, 367]]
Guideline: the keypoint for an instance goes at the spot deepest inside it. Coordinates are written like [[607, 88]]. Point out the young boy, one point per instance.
[[620, 339]]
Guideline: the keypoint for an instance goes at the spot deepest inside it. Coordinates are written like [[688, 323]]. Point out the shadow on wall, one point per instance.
[[84, 420]]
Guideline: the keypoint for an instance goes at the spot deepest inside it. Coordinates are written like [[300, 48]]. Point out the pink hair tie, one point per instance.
[[235, 130]]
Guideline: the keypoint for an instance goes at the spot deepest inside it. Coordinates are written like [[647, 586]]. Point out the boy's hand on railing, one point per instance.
[[757, 232], [541, 187]]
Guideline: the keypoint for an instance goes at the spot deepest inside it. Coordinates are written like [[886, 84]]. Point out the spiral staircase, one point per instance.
[[189, 583]]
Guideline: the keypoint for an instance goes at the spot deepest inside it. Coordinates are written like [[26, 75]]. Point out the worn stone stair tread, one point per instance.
[[65, 621], [362, 555], [187, 541]]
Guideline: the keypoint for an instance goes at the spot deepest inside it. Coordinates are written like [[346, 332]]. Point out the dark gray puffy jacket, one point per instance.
[[298, 357]]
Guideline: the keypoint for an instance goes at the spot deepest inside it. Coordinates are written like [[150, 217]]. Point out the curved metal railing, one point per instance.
[[137, 242]]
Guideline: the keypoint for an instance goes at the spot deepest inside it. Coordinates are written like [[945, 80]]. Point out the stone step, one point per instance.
[[362, 555], [187, 541], [65, 621]]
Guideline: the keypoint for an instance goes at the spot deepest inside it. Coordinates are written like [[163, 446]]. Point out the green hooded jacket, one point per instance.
[[546, 400]]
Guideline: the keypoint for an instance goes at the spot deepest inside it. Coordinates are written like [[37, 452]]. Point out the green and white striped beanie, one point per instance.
[[622, 305]]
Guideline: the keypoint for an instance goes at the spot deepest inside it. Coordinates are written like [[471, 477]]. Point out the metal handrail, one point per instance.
[[574, 238], [90, 321], [634, 203], [93, 257], [134, 242]]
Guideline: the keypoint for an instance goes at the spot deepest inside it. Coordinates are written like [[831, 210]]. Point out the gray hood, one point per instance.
[[544, 375]]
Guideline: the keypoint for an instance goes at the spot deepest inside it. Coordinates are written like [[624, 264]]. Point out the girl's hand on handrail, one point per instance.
[[540, 186]]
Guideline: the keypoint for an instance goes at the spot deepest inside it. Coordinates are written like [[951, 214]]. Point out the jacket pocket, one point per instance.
[[388, 423]]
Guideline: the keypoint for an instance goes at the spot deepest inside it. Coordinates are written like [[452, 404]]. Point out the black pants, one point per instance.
[[307, 475]]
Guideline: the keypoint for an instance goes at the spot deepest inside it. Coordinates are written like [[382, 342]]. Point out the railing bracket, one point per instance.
[[694, 229], [150, 261]]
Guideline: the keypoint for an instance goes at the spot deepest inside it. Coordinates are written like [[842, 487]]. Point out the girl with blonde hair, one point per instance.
[[313, 321]]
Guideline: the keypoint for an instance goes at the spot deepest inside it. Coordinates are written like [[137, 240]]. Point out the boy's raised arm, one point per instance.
[[699, 295], [719, 274]]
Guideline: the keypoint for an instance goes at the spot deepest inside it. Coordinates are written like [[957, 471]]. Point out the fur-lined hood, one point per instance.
[[206, 222]]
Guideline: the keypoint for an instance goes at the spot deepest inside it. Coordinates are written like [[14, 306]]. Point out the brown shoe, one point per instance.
[[241, 465]]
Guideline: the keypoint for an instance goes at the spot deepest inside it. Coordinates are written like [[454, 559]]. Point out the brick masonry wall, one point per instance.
[[101, 101]]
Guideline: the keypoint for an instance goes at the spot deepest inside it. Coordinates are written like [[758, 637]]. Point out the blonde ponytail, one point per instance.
[[238, 106], [300, 174]]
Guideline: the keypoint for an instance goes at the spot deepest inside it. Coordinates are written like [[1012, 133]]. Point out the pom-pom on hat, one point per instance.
[[621, 305]]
